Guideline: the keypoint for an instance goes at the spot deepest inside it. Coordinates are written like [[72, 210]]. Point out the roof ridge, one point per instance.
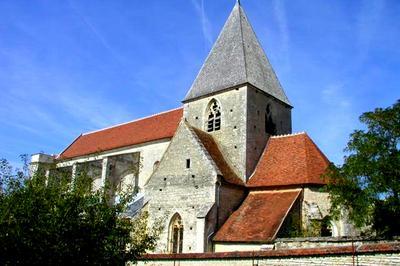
[[132, 121], [59, 155], [288, 135], [307, 150], [225, 168], [241, 35], [307, 155], [192, 130], [182, 121], [276, 190]]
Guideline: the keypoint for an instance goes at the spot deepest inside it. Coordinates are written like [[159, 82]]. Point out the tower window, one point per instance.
[[213, 116], [187, 163], [270, 126]]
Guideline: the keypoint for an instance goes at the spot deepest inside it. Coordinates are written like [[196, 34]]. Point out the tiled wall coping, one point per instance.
[[389, 247]]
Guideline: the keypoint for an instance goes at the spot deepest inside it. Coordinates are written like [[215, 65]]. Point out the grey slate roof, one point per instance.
[[236, 58]]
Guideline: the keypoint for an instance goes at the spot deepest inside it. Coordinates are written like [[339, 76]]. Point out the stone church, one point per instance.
[[224, 171]]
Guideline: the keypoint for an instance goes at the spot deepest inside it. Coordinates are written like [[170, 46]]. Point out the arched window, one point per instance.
[[155, 165], [213, 116], [175, 238], [270, 126]]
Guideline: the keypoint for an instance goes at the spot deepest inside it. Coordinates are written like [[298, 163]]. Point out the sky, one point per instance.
[[68, 67]]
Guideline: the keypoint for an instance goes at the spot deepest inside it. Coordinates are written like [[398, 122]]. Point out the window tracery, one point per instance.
[[176, 234], [213, 116]]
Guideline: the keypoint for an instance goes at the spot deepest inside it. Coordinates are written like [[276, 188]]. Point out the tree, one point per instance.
[[367, 185], [46, 221]]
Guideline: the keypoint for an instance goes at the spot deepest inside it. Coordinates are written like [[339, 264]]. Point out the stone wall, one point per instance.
[[280, 117], [386, 253], [316, 206], [242, 137], [230, 197], [150, 153], [188, 191], [232, 135]]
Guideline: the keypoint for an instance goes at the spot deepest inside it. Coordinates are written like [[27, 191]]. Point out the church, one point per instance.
[[224, 172]]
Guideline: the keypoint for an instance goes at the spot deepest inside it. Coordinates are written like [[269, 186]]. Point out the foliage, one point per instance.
[[368, 182], [293, 227], [47, 221]]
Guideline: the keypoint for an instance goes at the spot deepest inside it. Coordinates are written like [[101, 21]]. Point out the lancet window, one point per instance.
[[176, 234]]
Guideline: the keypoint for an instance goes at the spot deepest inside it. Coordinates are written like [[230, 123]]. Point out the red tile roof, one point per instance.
[[217, 156], [259, 218], [289, 160], [147, 129]]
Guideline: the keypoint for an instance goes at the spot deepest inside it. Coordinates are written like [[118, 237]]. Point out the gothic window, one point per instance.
[[270, 126], [213, 116], [175, 234]]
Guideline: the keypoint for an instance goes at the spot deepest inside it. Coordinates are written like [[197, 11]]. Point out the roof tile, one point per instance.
[[152, 128], [259, 218], [289, 160]]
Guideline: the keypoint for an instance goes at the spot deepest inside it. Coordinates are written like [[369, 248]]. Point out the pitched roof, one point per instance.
[[217, 156], [259, 218], [159, 126], [289, 160], [236, 58]]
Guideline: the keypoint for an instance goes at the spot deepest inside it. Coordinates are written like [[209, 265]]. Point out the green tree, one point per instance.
[[46, 221], [367, 185]]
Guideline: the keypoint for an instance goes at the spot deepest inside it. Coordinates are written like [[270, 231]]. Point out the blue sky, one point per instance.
[[71, 66]]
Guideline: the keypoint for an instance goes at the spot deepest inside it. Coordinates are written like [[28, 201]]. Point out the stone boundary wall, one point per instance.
[[365, 254]]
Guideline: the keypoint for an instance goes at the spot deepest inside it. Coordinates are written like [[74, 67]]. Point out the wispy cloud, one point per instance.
[[94, 111], [205, 22], [95, 32], [280, 15], [37, 97], [338, 121]]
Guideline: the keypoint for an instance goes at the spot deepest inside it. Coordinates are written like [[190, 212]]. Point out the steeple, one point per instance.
[[236, 58]]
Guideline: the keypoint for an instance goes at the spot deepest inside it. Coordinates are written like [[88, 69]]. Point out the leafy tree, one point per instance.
[[368, 182], [46, 221]]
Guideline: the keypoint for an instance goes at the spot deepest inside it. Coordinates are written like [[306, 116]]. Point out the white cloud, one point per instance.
[[205, 22], [96, 32], [280, 15], [95, 111], [337, 119], [37, 97]]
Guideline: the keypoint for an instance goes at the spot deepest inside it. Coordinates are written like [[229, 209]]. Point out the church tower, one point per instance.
[[237, 98]]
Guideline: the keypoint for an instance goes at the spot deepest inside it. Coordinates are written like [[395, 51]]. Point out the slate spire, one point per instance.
[[236, 58]]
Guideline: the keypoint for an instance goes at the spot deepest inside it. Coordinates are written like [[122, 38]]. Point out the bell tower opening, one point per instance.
[[213, 116], [270, 126]]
